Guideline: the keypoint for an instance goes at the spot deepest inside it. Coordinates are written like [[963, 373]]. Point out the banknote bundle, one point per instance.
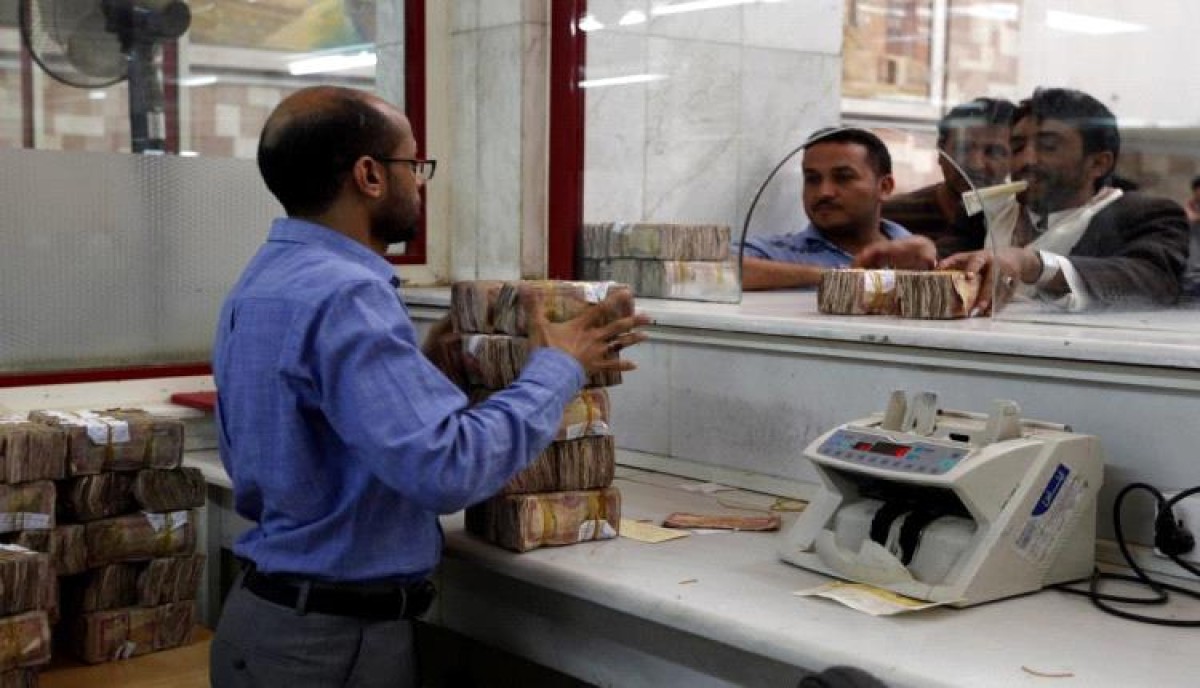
[[116, 439], [668, 279], [586, 415], [558, 300], [169, 490], [93, 497], [472, 303], [19, 678], [27, 581], [494, 361], [580, 464], [138, 537], [932, 294], [99, 589], [113, 634], [169, 579], [659, 241], [27, 506], [24, 640], [31, 451], [64, 544], [526, 521]]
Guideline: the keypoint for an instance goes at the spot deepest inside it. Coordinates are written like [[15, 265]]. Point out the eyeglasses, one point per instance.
[[422, 168]]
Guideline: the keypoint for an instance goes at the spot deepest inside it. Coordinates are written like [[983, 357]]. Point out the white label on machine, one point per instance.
[[1052, 513]]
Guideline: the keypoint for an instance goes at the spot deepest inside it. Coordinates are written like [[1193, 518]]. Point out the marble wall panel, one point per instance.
[[534, 144], [611, 12], [718, 24], [813, 26], [615, 133], [499, 145], [463, 167]]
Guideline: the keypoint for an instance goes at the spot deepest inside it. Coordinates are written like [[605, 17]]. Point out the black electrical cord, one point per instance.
[[1167, 532]]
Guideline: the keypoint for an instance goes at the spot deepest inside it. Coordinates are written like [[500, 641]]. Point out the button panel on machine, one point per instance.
[[876, 452]]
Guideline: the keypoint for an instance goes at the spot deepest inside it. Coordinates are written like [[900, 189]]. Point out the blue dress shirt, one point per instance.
[[809, 246], [343, 441]]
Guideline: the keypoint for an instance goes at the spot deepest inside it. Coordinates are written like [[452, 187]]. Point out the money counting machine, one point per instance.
[[950, 506]]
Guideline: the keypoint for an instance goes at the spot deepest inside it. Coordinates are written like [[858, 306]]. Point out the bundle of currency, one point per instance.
[[28, 506], [103, 588], [670, 279], [31, 451], [857, 292], [660, 241], [64, 544], [138, 537], [169, 579], [19, 678], [527, 521], [24, 640], [586, 415], [495, 361], [113, 634], [170, 490], [942, 294], [116, 439], [472, 303], [93, 497], [583, 464], [27, 581], [560, 301]]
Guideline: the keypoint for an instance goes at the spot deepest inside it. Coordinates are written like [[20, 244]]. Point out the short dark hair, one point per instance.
[[1096, 124], [1195, 182], [304, 156], [980, 112], [877, 150]]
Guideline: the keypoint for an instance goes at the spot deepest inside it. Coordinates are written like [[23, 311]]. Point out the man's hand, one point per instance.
[[910, 253], [595, 337], [432, 346], [1001, 273], [1192, 208]]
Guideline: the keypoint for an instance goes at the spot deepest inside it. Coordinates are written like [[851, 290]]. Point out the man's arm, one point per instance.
[[759, 274]]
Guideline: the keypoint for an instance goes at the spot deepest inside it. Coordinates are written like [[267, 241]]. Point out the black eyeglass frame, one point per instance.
[[418, 165]]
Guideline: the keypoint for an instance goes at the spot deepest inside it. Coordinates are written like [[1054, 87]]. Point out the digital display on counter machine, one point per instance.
[[884, 448]]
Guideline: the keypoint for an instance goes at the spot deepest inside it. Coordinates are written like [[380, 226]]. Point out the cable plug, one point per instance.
[[1171, 536]]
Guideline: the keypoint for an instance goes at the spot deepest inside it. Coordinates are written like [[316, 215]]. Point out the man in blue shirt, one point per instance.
[[343, 442], [847, 175]]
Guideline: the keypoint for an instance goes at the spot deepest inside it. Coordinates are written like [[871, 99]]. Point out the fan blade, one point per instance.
[[93, 50]]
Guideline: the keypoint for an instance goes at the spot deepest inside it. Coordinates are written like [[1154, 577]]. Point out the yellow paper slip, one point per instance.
[[868, 598], [648, 532]]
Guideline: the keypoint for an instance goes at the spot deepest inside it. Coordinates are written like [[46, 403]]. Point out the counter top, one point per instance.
[[732, 588], [1166, 338]]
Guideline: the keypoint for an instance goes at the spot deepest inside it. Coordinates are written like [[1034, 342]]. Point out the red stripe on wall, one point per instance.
[[565, 187], [414, 104], [64, 377]]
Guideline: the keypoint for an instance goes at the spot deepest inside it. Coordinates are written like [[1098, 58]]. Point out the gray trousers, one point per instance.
[[264, 645]]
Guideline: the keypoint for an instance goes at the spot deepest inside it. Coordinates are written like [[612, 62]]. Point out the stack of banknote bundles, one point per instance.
[[661, 260], [569, 483], [28, 601], [114, 520], [934, 294]]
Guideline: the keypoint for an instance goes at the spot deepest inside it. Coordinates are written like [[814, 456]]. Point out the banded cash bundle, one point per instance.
[[672, 279], [583, 464], [122, 633], [31, 451], [472, 304], [28, 506], [527, 521], [93, 497], [660, 241], [586, 415], [138, 537], [19, 678], [116, 440], [560, 301], [24, 640], [64, 544], [495, 361], [172, 490], [933, 294], [27, 581], [148, 584]]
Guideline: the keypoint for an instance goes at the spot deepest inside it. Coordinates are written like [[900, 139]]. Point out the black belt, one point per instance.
[[375, 602]]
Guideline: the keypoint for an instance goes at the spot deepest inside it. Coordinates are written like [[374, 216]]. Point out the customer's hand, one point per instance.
[[595, 337], [910, 253], [1000, 271]]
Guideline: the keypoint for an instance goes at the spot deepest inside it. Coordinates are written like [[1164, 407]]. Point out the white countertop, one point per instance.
[[732, 588], [1167, 338]]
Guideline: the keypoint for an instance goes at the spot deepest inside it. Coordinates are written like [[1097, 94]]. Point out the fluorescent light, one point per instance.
[[188, 154], [197, 80], [621, 80], [1088, 24], [97, 95], [633, 17], [1000, 11], [696, 6], [332, 63], [590, 23]]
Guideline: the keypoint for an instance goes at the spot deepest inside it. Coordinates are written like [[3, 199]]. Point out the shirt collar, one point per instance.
[[813, 238], [1095, 204], [296, 231]]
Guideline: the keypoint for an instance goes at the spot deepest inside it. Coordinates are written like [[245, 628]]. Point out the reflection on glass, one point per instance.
[[887, 48]]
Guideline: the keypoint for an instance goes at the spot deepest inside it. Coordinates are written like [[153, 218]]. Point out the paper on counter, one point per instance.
[[868, 598], [706, 488], [648, 532]]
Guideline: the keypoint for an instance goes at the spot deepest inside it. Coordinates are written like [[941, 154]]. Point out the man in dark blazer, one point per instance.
[[1088, 244]]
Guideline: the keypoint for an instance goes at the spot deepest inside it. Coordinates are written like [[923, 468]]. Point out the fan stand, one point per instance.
[[147, 121]]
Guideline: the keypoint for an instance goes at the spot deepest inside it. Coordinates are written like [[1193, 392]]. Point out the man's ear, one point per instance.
[[887, 184], [1101, 164], [367, 176]]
